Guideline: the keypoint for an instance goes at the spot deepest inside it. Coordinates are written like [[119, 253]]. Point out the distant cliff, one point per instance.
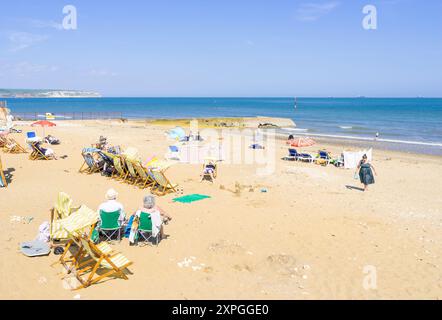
[[49, 93]]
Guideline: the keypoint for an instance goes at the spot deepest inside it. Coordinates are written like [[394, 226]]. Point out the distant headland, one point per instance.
[[48, 93]]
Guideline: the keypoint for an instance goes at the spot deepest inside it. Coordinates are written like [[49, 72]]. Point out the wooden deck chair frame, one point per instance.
[[56, 213], [86, 167], [162, 185], [12, 146], [94, 259], [132, 176], [120, 171], [2, 175], [36, 153], [215, 173], [145, 180]]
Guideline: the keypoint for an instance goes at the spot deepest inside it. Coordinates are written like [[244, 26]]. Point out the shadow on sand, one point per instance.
[[355, 188]]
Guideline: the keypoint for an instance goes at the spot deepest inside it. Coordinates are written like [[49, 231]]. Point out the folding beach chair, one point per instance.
[[305, 157], [62, 209], [92, 163], [78, 221], [90, 258], [145, 180], [109, 225], [120, 170], [145, 229], [206, 174], [162, 185], [132, 177], [37, 153], [12, 146], [3, 182], [323, 158]]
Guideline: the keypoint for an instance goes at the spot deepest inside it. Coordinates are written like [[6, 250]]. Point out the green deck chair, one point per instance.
[[145, 229], [109, 224]]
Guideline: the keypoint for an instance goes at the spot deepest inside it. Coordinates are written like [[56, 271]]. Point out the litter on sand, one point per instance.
[[191, 198], [20, 219]]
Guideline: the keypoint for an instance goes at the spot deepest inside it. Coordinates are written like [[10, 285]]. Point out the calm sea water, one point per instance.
[[413, 122]]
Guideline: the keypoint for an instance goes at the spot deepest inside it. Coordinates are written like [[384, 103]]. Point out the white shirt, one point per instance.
[[155, 216], [112, 206]]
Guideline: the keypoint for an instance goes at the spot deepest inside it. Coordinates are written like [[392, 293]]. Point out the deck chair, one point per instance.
[[145, 229], [108, 167], [37, 153], [323, 158], [109, 225], [62, 209], [162, 185], [145, 180], [305, 157], [206, 162], [92, 163], [12, 146], [132, 177], [76, 221], [90, 258], [120, 170], [3, 182]]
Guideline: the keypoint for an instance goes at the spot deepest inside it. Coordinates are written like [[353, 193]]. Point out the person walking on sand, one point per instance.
[[366, 171]]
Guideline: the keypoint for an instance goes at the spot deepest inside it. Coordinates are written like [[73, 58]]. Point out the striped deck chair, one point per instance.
[[37, 153], [12, 146], [90, 258], [76, 222], [145, 180], [62, 209], [162, 185], [92, 163], [120, 170], [132, 172], [3, 182]]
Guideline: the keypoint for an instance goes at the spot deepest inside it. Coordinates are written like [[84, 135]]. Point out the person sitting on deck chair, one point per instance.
[[157, 216], [46, 151], [112, 205], [209, 170]]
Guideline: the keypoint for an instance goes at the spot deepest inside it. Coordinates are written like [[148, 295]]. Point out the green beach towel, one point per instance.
[[191, 198]]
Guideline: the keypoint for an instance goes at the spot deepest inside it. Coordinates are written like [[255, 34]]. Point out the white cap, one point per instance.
[[111, 194]]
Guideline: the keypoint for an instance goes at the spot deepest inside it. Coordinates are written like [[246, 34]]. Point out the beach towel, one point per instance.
[[35, 248], [191, 198]]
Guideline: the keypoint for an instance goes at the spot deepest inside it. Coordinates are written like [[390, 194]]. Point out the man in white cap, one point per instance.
[[111, 205]]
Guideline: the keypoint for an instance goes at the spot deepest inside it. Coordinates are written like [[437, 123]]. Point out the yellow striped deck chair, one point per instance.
[[12, 146], [78, 221], [62, 209], [145, 180], [90, 258], [120, 171], [162, 184]]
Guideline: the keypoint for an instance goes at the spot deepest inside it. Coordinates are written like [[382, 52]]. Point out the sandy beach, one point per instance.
[[308, 237]]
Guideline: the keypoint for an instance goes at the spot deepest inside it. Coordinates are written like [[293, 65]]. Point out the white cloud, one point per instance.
[[22, 40], [102, 73], [45, 24], [23, 69], [314, 11]]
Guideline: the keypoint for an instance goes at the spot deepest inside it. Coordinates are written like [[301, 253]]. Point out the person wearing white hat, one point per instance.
[[111, 205]]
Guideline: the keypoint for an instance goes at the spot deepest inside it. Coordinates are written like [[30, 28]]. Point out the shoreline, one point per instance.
[[284, 125]]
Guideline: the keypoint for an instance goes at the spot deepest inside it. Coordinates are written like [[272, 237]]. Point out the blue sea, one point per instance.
[[409, 124]]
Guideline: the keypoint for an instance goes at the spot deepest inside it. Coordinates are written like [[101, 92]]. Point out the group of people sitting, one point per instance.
[[158, 216]]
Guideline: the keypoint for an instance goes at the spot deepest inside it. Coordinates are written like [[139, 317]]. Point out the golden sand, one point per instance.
[[307, 237]]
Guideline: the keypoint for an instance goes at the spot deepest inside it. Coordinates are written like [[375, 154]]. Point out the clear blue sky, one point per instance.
[[224, 48]]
